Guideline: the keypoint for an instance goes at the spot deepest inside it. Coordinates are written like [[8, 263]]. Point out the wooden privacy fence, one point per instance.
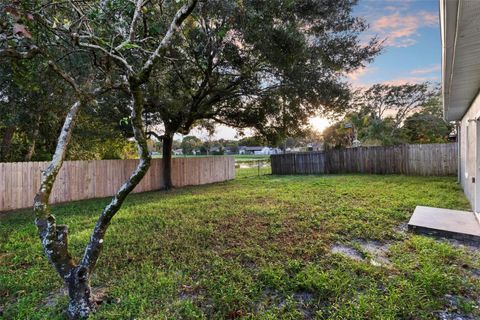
[[414, 159], [79, 180]]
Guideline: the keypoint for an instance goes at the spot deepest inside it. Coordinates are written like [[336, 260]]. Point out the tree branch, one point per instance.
[[65, 76], [138, 7], [156, 135], [105, 51], [12, 53], [53, 237], [180, 16]]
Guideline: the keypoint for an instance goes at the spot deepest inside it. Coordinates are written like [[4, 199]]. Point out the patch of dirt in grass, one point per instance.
[[273, 299], [402, 228], [303, 300], [347, 251], [189, 292], [377, 250], [444, 315], [469, 246], [453, 312], [475, 273], [54, 296], [99, 296]]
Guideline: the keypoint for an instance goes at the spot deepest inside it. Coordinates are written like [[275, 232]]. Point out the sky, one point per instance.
[[412, 49]]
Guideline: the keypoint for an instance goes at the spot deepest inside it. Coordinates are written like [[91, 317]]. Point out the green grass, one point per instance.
[[254, 171], [253, 248], [247, 158]]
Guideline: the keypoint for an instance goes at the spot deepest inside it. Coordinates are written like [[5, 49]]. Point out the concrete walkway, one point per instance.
[[460, 225]]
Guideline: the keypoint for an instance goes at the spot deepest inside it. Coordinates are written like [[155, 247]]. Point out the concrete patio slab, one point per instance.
[[455, 224]]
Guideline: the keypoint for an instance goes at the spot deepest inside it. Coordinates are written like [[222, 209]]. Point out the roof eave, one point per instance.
[[448, 32]]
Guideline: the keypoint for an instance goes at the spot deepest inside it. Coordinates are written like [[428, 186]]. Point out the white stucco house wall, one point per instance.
[[460, 34]]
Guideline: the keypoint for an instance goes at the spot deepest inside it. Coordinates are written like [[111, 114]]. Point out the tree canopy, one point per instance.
[[235, 64]]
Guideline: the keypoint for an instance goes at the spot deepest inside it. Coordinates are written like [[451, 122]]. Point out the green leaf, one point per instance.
[[129, 45]]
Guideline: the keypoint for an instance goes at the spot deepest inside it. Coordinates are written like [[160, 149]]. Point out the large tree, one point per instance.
[[393, 102], [94, 48], [265, 65], [427, 125], [379, 114]]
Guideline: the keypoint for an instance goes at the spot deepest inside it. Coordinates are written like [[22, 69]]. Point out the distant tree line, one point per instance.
[[391, 114], [193, 145]]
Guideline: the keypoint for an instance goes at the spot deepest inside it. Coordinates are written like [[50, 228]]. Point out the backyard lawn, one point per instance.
[[268, 247]]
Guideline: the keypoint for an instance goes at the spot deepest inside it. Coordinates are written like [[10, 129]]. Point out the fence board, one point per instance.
[[78, 180], [421, 159]]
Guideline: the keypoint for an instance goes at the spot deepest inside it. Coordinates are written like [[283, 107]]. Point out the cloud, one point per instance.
[[404, 80], [427, 70], [360, 72], [400, 30], [391, 8], [412, 79], [430, 19], [356, 76]]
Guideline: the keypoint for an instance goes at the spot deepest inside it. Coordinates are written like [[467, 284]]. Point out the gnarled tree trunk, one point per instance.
[[55, 237], [167, 160], [80, 303]]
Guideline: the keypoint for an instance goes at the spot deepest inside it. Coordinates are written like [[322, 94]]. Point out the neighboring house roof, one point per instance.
[[459, 24]]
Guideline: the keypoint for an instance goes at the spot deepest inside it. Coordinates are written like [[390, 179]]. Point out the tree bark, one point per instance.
[[167, 160], [80, 303], [7, 142]]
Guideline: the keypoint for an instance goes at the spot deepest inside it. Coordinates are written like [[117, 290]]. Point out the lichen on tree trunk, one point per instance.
[[80, 303]]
